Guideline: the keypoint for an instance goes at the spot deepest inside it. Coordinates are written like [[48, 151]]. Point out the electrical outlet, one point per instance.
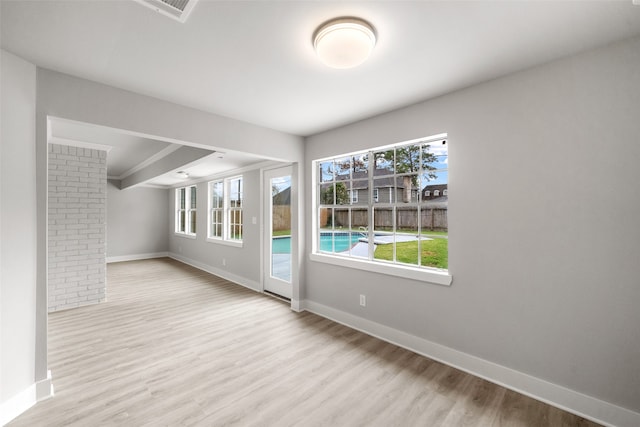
[[363, 300]]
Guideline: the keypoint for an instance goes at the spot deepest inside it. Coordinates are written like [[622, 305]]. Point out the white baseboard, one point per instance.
[[553, 394], [243, 281], [136, 257], [24, 400], [296, 305]]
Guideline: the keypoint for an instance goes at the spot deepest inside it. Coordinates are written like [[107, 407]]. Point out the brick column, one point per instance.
[[77, 199]]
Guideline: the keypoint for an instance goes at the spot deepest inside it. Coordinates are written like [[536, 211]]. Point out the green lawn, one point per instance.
[[282, 233], [435, 253]]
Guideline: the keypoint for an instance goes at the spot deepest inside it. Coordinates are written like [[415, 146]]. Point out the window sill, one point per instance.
[[237, 244], [186, 236], [434, 276]]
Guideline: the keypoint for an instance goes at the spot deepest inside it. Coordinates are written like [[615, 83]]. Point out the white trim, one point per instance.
[[221, 175], [221, 241], [296, 305], [136, 257], [18, 404], [556, 395], [421, 274], [81, 144], [254, 286]]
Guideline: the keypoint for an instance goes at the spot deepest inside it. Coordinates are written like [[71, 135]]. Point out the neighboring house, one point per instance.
[[282, 198], [435, 191], [386, 189]]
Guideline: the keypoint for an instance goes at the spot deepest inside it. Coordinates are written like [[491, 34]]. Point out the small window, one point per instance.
[[216, 209], [436, 193], [353, 196], [427, 193], [235, 209], [445, 192], [226, 210], [186, 210], [375, 195]]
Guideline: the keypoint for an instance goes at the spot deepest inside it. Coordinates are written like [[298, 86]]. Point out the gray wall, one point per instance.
[[137, 221], [545, 271], [17, 228], [242, 264]]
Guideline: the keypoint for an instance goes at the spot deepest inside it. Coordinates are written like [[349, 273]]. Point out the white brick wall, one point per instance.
[[77, 217]]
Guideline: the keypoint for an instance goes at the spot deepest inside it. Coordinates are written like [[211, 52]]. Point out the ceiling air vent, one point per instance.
[[176, 9]]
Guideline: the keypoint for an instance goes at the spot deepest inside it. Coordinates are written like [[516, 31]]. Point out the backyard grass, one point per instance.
[[278, 233], [435, 253]]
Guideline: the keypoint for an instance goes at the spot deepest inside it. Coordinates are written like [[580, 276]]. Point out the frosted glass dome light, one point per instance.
[[344, 42]]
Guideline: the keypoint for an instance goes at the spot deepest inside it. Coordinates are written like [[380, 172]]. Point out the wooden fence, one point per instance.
[[281, 217], [433, 219]]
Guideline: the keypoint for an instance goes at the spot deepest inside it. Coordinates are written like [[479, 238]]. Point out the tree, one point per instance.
[[410, 159], [342, 195]]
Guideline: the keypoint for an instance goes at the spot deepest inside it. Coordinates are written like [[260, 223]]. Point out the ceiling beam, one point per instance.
[[172, 162]]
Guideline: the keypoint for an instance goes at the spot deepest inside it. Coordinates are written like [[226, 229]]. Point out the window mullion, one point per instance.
[[370, 204]]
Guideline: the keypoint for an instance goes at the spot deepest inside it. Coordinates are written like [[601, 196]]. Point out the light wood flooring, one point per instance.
[[176, 346]]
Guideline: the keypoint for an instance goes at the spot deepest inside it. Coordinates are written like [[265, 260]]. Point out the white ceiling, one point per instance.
[[254, 61]]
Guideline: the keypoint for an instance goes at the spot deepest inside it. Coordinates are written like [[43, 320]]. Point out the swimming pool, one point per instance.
[[342, 241]]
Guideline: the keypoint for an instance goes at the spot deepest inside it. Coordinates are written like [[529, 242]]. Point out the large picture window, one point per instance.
[[385, 206], [226, 210], [186, 208]]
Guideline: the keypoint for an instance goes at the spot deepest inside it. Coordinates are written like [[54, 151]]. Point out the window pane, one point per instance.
[[182, 197], [407, 220], [181, 221], [435, 155], [383, 220], [217, 194], [325, 220], [359, 219], [327, 192], [384, 162], [386, 189], [343, 193], [192, 197], [235, 224], [326, 171], [360, 166], [360, 192], [408, 188], [192, 221], [341, 219], [408, 159], [235, 192], [343, 168], [432, 181], [216, 223]]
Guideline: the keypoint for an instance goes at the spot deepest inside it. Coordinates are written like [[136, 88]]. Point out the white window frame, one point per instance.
[[420, 273], [445, 192], [230, 212], [436, 193], [215, 211], [375, 195], [188, 210], [353, 196]]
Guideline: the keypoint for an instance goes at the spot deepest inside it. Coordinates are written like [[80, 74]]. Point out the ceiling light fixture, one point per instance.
[[344, 42], [182, 174]]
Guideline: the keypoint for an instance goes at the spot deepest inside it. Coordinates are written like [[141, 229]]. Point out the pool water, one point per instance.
[[342, 242]]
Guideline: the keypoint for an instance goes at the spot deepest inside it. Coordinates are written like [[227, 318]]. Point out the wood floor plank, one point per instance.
[[176, 346]]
